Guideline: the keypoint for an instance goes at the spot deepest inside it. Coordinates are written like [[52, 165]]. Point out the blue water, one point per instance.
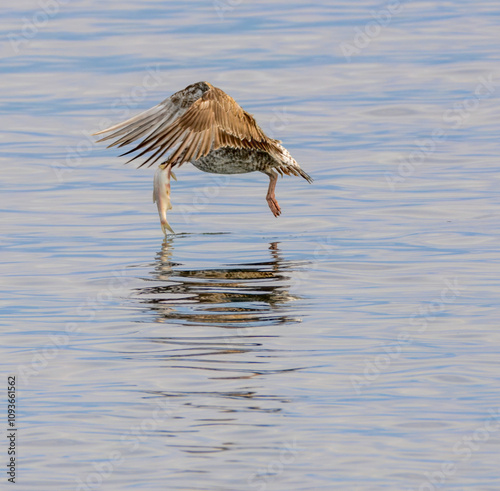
[[351, 344]]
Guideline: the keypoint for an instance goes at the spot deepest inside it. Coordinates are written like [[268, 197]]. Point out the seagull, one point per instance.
[[202, 125]]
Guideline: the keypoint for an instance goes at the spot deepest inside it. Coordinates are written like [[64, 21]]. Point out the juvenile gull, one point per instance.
[[203, 125]]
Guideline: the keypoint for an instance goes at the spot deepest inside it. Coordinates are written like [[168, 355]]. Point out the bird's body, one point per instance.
[[203, 125], [229, 160]]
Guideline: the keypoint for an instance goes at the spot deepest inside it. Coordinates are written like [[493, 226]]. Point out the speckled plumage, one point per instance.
[[227, 160], [203, 125]]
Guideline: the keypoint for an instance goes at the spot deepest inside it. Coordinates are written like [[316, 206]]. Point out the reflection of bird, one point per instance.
[[236, 295], [203, 125]]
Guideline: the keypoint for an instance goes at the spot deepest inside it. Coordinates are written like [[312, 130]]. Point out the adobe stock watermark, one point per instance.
[[278, 122], [419, 323], [323, 250], [371, 30], [31, 26], [202, 199], [263, 477], [453, 118], [222, 7], [121, 108], [130, 443], [57, 342], [463, 451]]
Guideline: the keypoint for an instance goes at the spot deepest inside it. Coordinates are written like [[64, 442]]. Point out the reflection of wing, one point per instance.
[[193, 121]]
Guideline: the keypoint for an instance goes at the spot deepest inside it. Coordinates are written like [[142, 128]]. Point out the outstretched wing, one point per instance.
[[192, 129], [148, 123]]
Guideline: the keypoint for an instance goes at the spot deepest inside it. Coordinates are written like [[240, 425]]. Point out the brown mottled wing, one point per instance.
[[213, 121]]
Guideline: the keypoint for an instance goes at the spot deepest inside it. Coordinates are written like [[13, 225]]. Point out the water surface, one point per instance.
[[351, 344]]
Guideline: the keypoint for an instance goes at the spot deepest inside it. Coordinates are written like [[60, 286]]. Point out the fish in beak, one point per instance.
[[161, 194]]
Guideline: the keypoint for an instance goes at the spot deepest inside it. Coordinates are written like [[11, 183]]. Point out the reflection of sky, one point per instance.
[[358, 259]]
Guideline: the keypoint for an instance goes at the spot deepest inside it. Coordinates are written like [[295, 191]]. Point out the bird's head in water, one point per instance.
[[161, 195]]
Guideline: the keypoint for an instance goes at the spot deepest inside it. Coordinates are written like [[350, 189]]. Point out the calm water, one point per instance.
[[351, 344]]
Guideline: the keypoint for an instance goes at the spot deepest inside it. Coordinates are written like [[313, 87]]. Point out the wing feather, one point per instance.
[[193, 124], [192, 153], [121, 127]]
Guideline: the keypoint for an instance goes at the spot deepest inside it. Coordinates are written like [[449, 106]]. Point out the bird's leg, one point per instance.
[[270, 197]]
